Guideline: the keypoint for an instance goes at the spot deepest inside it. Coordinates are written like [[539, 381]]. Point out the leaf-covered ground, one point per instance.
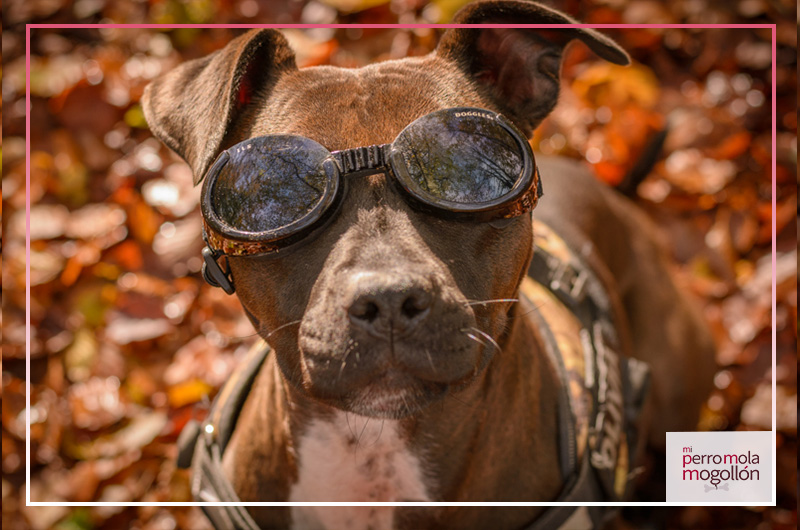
[[127, 343]]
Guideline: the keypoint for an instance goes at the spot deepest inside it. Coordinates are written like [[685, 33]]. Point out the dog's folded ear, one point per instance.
[[518, 69], [194, 107]]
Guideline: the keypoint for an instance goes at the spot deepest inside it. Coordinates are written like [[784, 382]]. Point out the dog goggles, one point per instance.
[[461, 163]]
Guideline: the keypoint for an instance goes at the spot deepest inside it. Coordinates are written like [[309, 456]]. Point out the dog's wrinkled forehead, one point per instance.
[[352, 107]]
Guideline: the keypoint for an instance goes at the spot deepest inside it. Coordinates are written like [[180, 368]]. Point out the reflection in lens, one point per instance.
[[269, 183], [464, 157]]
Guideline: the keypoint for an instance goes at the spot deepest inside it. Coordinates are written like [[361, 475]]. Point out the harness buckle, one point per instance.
[[577, 290], [569, 280]]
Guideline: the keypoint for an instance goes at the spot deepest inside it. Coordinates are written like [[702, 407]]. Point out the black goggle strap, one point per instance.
[[361, 158], [213, 274], [539, 188]]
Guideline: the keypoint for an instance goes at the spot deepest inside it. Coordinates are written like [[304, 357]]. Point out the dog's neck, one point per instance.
[[468, 447]]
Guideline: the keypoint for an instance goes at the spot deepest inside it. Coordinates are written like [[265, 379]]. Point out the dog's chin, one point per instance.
[[393, 396]]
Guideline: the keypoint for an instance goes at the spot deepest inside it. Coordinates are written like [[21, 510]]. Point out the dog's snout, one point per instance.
[[388, 305]]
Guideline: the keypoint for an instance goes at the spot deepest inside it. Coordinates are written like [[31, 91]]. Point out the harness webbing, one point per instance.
[[208, 482]]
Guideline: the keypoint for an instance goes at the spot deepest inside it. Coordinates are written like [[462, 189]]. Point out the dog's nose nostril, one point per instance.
[[365, 310], [415, 305]]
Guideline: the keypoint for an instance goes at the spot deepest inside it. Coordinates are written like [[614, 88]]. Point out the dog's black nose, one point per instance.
[[388, 305]]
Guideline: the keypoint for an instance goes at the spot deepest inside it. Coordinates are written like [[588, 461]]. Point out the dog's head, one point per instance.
[[387, 308]]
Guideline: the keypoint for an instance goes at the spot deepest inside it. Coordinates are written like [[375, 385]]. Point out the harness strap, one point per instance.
[[223, 418], [582, 487], [207, 444], [617, 386], [210, 485], [568, 454], [617, 397], [577, 410]]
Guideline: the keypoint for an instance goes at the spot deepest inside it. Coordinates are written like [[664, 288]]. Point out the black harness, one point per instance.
[[598, 407], [602, 393]]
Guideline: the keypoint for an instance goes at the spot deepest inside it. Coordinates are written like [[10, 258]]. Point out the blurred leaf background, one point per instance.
[[127, 342]]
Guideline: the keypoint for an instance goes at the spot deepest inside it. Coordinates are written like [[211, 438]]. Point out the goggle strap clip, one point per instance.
[[213, 273]]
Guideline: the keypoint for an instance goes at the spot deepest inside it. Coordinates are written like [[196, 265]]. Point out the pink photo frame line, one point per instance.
[[28, 27]]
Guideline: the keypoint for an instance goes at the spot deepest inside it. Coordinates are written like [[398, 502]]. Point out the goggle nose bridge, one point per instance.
[[359, 159]]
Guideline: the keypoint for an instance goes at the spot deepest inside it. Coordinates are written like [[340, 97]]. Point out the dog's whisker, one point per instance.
[[349, 428], [378, 438], [364, 428], [380, 432], [282, 326], [242, 338], [526, 313], [490, 339], [492, 301], [472, 337], [262, 328], [430, 360], [476, 339], [405, 403], [484, 335], [459, 400], [351, 345], [347, 349]]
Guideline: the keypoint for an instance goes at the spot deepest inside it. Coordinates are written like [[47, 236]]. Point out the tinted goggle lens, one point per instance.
[[268, 185], [462, 157]]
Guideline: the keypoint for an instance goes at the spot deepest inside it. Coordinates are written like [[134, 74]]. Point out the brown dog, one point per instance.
[[394, 377]]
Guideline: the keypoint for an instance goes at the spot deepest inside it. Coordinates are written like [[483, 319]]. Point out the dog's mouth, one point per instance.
[[388, 382]]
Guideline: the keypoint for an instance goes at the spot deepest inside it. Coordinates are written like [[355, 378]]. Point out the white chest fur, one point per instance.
[[353, 459]]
